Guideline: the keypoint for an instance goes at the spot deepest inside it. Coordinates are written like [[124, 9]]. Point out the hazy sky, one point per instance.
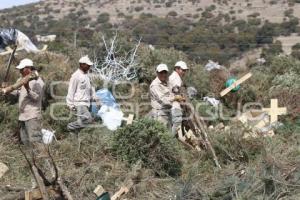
[[11, 3]]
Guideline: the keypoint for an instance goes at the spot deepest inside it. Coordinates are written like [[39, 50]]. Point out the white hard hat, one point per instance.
[[182, 65], [162, 67], [86, 60], [25, 63]]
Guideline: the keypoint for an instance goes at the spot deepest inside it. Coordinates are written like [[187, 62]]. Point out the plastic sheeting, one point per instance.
[[212, 65], [23, 41], [110, 111], [13, 36], [7, 37], [214, 102], [192, 92]]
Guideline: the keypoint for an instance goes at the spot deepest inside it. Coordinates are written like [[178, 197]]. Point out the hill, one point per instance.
[[120, 10]]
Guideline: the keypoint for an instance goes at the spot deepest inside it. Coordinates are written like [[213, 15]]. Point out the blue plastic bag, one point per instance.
[[106, 99]]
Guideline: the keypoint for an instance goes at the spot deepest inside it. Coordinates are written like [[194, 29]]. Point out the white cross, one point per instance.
[[275, 111]]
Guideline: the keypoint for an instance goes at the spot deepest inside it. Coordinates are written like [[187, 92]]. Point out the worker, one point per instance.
[[175, 83], [80, 95], [30, 105], [30, 118], [161, 96]]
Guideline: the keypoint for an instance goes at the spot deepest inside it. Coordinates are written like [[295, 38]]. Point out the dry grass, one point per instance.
[[259, 168]]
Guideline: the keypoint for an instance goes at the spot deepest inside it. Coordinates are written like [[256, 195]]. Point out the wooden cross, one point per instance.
[[235, 84], [275, 111]]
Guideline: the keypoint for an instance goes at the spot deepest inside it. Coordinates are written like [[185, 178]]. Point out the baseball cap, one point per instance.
[[162, 67], [86, 60], [25, 63], [182, 65]]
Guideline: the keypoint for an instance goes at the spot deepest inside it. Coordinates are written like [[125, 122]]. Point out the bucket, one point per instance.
[[104, 196]]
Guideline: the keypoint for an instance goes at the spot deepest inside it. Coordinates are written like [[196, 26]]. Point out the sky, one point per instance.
[[11, 3]]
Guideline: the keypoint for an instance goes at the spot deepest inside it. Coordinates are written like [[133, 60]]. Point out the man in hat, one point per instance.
[[161, 96], [30, 105], [30, 118], [80, 95], [175, 83]]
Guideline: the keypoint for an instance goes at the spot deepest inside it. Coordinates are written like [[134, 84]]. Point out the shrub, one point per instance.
[[103, 18], [231, 146], [151, 143]]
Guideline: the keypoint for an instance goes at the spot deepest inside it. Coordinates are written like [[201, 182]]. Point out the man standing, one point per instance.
[[175, 83], [161, 97], [80, 94], [30, 105]]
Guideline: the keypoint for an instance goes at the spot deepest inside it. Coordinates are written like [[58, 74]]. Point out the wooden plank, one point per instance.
[[28, 195], [10, 51], [99, 190], [235, 84], [130, 119], [45, 47], [3, 169], [122, 191], [36, 193]]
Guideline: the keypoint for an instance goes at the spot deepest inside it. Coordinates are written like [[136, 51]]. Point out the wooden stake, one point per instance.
[[129, 120], [40, 183], [10, 51], [235, 84]]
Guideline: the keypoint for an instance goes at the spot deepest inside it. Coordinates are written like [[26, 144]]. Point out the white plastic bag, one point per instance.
[[214, 102], [212, 65], [111, 117], [47, 136]]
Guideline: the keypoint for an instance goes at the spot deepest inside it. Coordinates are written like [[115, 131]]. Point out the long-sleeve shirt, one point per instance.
[[30, 102], [80, 92], [161, 97], [175, 81]]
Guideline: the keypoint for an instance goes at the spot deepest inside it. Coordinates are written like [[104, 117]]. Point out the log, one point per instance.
[[64, 189], [20, 83], [40, 183]]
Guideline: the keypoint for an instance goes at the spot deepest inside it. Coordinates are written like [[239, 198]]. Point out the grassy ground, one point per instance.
[[254, 168]]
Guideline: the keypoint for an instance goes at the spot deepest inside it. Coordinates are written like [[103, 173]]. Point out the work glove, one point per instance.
[[179, 98]]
